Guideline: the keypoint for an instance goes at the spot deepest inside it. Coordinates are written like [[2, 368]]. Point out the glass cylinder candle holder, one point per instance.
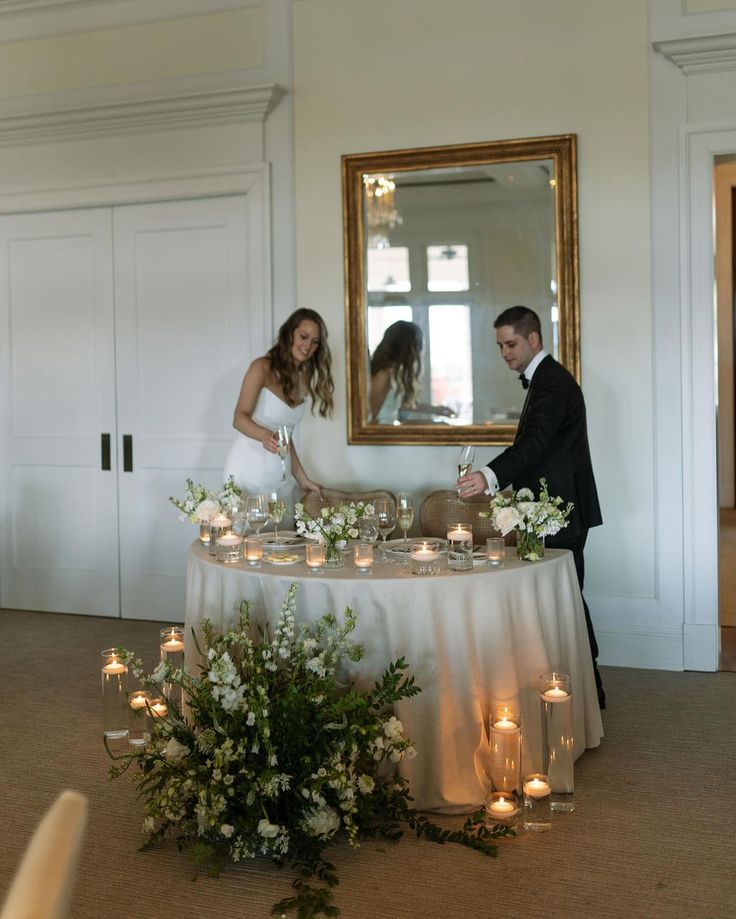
[[460, 547], [253, 552], [495, 551], [229, 549], [114, 676], [537, 793], [505, 743], [171, 646], [363, 558], [139, 728], [315, 557], [502, 808], [424, 557], [204, 535], [158, 709], [555, 695], [220, 524]]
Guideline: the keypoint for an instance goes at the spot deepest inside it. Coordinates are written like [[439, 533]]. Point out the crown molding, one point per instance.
[[700, 54], [23, 20], [212, 99]]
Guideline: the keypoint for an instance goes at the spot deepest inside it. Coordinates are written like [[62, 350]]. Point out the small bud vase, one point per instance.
[[529, 546], [334, 557]]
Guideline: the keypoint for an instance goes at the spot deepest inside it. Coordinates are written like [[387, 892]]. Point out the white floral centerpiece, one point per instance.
[[277, 755], [200, 505], [333, 527], [533, 519]]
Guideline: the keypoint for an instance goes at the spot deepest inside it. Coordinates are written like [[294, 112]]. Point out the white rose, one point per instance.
[[206, 510], [393, 728], [268, 830], [321, 822], [410, 753], [506, 519], [366, 784], [525, 494], [525, 507], [227, 830]]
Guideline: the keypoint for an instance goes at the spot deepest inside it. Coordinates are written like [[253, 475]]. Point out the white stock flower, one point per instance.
[[268, 830], [149, 824], [506, 519], [321, 822], [175, 751], [227, 830], [393, 728], [525, 494]]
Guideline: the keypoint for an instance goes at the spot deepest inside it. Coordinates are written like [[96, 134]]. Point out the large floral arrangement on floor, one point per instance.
[[532, 518], [199, 505], [335, 525], [277, 756]]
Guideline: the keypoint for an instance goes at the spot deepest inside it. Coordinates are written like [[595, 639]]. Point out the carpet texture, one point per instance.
[[651, 836]]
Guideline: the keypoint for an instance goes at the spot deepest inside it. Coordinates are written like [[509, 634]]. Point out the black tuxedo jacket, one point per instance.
[[552, 443]]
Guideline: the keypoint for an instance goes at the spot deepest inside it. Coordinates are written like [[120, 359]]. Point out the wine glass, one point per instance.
[[256, 512], [386, 517], [465, 461], [276, 511], [405, 512], [283, 435], [368, 528]]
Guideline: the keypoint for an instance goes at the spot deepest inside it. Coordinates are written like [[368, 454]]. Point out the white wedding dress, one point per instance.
[[255, 469]]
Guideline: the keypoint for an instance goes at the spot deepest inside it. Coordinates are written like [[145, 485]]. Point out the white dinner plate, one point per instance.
[[397, 548], [287, 539], [290, 558]]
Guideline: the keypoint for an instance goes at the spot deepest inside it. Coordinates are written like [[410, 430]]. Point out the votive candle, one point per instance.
[[253, 552], [315, 557], [363, 558]]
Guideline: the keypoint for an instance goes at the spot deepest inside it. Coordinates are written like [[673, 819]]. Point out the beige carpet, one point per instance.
[[652, 835], [727, 567]]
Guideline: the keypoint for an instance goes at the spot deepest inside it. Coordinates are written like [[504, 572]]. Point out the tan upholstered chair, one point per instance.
[[441, 509], [43, 884], [313, 505]]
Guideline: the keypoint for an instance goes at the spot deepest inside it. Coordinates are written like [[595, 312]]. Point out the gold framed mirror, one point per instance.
[[438, 241]]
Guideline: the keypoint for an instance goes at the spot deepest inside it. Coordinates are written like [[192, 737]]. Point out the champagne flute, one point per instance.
[[256, 512], [405, 512], [283, 435], [276, 511], [386, 517], [465, 461]]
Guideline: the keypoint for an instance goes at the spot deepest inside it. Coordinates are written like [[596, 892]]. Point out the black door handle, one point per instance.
[[127, 452], [105, 452]]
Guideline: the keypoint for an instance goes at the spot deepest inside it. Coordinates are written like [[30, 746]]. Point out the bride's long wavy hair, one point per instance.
[[400, 350], [316, 372]]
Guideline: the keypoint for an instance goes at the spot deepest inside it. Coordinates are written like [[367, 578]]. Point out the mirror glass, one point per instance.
[[436, 248]]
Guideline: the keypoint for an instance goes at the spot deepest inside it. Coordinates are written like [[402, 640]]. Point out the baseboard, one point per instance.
[[701, 646], [658, 649]]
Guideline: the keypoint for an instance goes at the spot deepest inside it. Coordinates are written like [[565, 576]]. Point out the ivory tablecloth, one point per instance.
[[472, 640]]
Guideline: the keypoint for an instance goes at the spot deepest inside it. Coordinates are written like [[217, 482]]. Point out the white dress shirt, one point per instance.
[[488, 474]]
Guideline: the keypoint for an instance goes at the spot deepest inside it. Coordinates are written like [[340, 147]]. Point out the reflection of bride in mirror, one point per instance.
[[396, 368]]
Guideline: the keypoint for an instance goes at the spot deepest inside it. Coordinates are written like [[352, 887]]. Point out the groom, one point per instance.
[[551, 442]]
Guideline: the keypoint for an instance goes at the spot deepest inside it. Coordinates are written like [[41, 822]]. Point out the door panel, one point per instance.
[[184, 335], [58, 538]]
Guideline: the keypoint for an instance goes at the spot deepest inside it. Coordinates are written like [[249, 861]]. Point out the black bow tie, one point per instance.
[[524, 381]]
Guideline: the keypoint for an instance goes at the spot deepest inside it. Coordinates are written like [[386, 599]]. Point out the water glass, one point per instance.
[[495, 551]]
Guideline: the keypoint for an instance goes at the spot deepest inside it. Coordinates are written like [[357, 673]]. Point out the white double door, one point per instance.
[[124, 333]]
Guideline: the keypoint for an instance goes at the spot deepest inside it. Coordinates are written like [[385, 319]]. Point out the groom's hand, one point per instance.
[[469, 485]]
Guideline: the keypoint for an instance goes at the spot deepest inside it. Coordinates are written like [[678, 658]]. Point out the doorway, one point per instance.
[[725, 270], [125, 333]]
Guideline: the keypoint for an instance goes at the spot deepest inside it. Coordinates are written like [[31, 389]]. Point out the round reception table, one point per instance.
[[472, 640]]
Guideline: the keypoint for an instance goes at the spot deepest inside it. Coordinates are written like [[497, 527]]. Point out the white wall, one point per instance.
[[405, 74]]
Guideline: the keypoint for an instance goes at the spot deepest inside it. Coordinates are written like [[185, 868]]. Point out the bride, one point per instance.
[[274, 395]]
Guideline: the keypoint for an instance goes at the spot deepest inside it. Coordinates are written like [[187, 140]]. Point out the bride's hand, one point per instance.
[[308, 485], [270, 441]]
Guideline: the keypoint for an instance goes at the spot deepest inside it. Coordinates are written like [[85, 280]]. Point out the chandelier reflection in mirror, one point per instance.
[[381, 214]]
